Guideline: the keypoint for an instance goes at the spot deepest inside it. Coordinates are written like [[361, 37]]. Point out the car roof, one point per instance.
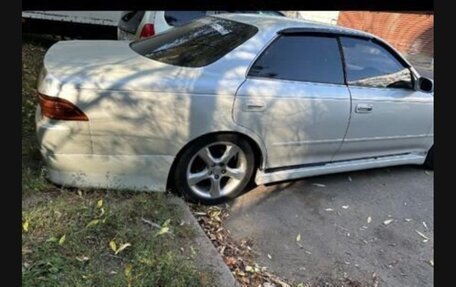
[[291, 25]]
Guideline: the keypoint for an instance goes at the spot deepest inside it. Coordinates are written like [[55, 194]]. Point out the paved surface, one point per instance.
[[336, 239]]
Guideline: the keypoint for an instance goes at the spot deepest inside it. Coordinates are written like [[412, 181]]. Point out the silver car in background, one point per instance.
[[210, 106]]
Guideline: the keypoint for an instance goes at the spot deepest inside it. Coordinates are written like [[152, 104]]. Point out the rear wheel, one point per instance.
[[214, 169], [429, 163]]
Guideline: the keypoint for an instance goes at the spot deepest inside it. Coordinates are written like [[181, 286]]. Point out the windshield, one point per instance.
[[197, 44]]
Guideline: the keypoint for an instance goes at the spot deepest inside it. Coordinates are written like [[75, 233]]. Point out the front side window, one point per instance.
[[371, 65], [196, 44], [179, 18], [301, 58]]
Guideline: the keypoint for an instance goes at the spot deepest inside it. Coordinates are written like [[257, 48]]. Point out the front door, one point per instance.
[[388, 116]]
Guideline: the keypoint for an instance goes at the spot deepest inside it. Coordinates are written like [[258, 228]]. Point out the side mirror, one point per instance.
[[426, 84]]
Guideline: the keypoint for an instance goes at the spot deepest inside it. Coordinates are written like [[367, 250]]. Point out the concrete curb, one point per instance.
[[207, 255]]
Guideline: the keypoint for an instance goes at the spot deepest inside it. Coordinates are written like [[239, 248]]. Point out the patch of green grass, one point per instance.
[[67, 241], [33, 52]]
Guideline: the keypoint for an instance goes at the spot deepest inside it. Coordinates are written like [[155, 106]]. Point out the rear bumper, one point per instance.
[[147, 173], [66, 147]]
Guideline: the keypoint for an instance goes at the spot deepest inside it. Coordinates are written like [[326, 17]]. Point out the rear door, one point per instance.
[[295, 99], [388, 116]]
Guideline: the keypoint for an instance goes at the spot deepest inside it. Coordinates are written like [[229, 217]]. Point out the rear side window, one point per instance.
[[196, 44], [371, 65], [129, 22], [179, 18], [301, 58]]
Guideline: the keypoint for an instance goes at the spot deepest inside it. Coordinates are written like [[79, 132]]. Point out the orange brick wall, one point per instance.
[[410, 33]]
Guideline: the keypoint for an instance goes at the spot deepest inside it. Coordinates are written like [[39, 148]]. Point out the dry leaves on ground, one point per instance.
[[238, 256]]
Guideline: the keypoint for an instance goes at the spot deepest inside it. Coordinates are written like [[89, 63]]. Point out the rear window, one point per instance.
[[179, 18], [270, 13], [196, 44]]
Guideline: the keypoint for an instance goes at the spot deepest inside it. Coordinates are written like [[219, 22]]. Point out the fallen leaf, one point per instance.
[[425, 225], [249, 268], [388, 221], [369, 219], [163, 230], [431, 262], [25, 226], [318, 185], [82, 258], [345, 206], [113, 245], [298, 238], [269, 256], [62, 239], [93, 222], [329, 209], [127, 270], [167, 222], [230, 261], [100, 203], [422, 235], [427, 172], [122, 247], [52, 239], [408, 219]]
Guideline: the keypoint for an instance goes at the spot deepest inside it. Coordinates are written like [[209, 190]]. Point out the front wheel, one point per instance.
[[214, 169]]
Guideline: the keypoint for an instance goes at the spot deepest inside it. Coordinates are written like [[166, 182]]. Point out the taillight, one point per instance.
[[60, 109], [147, 30]]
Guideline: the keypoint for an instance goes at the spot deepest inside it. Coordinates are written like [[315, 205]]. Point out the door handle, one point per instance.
[[363, 108], [254, 106]]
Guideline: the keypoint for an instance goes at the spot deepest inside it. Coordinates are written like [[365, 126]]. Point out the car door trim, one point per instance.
[[307, 142], [301, 171]]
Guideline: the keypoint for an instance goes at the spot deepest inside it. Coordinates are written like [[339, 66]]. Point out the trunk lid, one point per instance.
[[109, 65]]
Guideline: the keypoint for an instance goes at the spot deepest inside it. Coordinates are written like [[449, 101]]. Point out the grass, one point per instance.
[[73, 237], [68, 241]]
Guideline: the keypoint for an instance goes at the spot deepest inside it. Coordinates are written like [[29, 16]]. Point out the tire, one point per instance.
[[429, 162], [214, 169]]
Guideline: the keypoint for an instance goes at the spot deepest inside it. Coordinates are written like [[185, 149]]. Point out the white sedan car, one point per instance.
[[207, 107]]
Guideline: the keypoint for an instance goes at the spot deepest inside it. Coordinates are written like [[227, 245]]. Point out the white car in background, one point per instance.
[[135, 25]]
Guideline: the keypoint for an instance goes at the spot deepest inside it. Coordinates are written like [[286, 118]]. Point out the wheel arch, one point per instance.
[[258, 152]]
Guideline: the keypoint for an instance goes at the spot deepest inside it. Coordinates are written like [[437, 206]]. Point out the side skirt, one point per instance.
[[264, 177]]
